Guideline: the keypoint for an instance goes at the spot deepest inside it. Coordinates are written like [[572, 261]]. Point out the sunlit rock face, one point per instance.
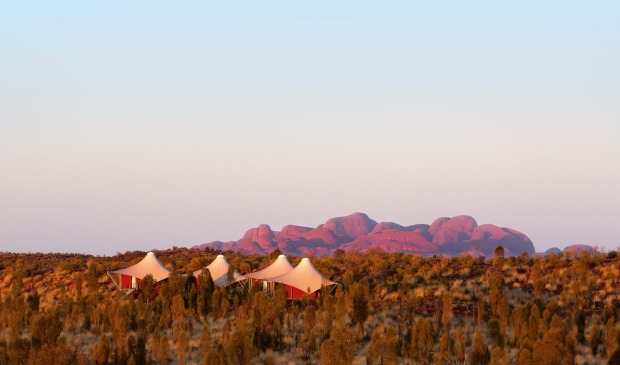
[[579, 248], [455, 236]]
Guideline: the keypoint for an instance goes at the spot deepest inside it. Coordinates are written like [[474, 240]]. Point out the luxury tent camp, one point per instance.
[[219, 272], [277, 268], [131, 277], [303, 279]]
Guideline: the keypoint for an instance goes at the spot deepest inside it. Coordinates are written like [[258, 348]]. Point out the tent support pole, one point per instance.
[[128, 293], [333, 287], [118, 287]]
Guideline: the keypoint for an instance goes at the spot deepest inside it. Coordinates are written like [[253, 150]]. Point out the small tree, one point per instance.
[[101, 350], [182, 346], [446, 316], [552, 349], [422, 340], [206, 288], [595, 339], [383, 347], [444, 353], [230, 275], [498, 252], [525, 357], [263, 314], [614, 359], [92, 277], [339, 349], [79, 280], [237, 345], [147, 292], [499, 356], [205, 344], [480, 353], [163, 349], [179, 318], [611, 336], [308, 337], [459, 349], [359, 310]]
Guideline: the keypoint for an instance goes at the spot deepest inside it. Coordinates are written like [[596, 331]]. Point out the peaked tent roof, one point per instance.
[[219, 272], [278, 267], [149, 265], [304, 276]]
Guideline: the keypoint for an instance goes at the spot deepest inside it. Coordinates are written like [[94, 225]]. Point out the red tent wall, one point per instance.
[[126, 282], [295, 293]]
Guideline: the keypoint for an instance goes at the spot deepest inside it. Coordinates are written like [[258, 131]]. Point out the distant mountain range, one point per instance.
[[575, 247], [455, 236]]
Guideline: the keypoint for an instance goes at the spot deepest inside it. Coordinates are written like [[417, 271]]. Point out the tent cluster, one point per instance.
[[297, 281]]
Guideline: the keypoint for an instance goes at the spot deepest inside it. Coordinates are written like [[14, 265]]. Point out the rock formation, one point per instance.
[[455, 236]]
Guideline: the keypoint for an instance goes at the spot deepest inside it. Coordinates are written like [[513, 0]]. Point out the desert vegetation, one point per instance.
[[387, 309]]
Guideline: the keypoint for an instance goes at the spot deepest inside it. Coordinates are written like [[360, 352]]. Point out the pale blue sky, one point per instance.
[[140, 125]]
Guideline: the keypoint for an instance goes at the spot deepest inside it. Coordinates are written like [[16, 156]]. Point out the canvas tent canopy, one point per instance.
[[303, 279], [219, 272], [278, 267], [133, 275]]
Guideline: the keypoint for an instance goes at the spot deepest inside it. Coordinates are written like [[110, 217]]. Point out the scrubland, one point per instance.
[[387, 309]]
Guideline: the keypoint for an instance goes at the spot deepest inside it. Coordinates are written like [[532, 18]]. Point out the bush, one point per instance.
[[614, 359], [72, 265]]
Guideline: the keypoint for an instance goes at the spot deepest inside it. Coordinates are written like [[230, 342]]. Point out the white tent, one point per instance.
[[278, 267], [302, 278], [131, 276], [219, 272]]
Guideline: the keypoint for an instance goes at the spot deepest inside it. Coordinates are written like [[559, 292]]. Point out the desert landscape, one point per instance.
[[343, 182], [387, 308]]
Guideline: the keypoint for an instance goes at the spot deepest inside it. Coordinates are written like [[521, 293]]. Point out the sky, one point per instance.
[[149, 124]]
